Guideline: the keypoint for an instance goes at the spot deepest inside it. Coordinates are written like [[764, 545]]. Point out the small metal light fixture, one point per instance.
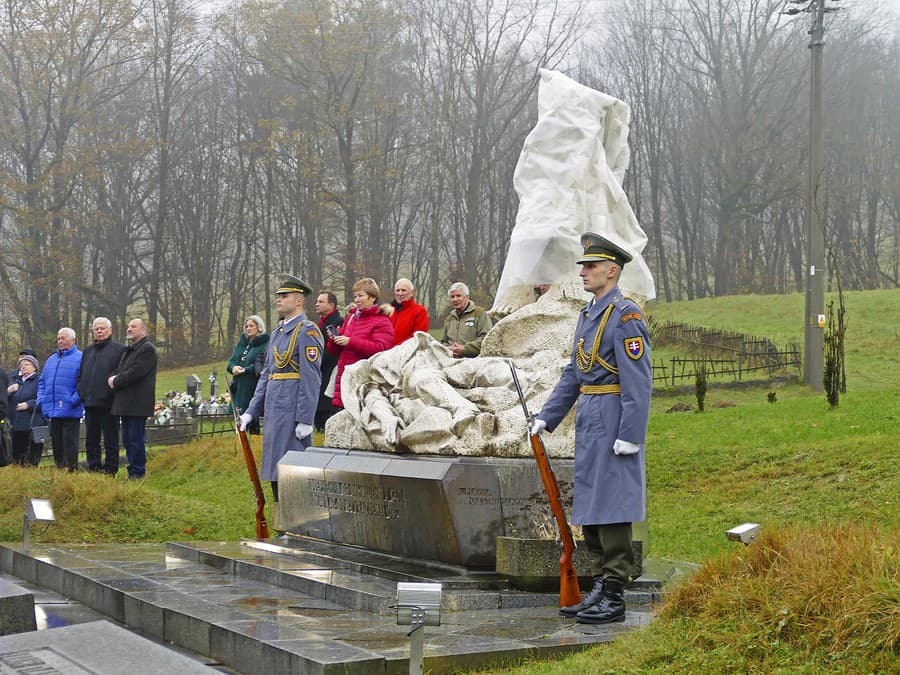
[[418, 605], [745, 533], [36, 511]]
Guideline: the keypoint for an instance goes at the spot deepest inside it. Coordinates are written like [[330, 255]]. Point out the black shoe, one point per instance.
[[590, 599], [610, 609]]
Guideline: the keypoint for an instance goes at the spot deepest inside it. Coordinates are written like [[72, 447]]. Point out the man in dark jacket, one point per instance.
[[97, 362], [59, 399], [329, 317], [134, 395]]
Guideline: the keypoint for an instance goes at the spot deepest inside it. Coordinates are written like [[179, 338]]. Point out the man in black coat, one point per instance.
[[98, 361], [330, 319], [134, 395]]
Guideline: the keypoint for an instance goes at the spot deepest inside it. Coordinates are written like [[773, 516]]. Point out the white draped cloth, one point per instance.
[[569, 181]]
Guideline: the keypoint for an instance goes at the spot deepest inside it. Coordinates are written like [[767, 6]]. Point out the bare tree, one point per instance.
[[478, 65], [60, 60]]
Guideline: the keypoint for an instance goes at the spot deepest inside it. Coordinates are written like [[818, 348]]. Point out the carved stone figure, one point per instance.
[[416, 398]]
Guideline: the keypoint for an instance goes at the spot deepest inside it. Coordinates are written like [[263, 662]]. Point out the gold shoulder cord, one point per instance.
[[586, 363], [285, 359]]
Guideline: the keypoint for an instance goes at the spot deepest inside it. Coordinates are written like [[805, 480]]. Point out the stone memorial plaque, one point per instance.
[[42, 660], [90, 649], [449, 509]]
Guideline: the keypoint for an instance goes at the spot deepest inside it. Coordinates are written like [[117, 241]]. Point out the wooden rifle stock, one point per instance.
[[262, 527], [569, 593], [568, 579]]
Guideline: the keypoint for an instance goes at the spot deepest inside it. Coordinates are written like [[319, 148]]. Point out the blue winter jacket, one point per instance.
[[57, 388]]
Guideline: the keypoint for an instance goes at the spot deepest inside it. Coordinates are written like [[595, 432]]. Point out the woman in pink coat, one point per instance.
[[365, 332]]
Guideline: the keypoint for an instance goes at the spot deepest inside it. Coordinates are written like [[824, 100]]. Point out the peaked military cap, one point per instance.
[[292, 284], [598, 249]]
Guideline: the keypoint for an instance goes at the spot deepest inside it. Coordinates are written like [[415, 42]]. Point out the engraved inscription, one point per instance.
[[477, 496], [44, 661], [367, 500]]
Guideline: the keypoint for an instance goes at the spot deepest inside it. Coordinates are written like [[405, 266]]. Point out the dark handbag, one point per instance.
[[5, 444], [39, 434]]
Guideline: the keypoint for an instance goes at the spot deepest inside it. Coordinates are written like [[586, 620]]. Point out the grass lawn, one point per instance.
[[798, 467]]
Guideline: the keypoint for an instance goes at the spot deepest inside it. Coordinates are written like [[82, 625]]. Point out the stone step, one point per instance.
[[320, 610]]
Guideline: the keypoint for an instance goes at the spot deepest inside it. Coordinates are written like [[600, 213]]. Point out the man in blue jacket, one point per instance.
[[59, 399]]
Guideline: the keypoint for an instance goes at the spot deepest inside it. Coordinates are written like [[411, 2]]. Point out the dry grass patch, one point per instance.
[[830, 593]]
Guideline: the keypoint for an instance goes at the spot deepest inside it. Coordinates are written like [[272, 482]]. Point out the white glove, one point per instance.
[[302, 431], [537, 426], [245, 420], [621, 447]]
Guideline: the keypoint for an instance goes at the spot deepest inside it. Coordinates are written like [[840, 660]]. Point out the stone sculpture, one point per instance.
[[416, 398]]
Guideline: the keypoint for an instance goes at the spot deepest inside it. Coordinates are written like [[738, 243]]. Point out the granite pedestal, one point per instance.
[[447, 509], [16, 609]]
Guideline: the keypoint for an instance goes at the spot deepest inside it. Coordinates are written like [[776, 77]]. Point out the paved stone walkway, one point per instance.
[[304, 606]]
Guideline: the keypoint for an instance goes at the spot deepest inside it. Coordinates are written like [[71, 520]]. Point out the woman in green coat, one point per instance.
[[246, 364]]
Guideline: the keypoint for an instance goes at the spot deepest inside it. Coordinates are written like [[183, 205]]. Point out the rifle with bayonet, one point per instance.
[[262, 527], [568, 579]]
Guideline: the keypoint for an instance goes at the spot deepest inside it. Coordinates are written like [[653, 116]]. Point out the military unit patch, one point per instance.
[[312, 354], [635, 347], [633, 315], [314, 332]]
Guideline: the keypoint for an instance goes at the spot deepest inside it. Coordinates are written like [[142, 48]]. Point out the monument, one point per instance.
[[430, 459]]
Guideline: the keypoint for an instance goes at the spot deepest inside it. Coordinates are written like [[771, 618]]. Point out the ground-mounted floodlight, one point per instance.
[[36, 511], [418, 605], [744, 533]]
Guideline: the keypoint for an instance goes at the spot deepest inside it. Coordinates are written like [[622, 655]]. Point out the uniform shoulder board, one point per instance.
[[312, 330]]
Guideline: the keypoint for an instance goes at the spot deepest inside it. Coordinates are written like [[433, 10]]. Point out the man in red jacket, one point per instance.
[[408, 316]]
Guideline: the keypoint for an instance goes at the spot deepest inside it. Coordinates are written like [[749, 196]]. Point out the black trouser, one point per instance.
[[324, 411], [97, 422], [613, 550], [24, 451], [64, 436]]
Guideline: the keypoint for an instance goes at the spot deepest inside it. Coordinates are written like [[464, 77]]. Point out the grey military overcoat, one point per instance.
[[288, 395], [609, 488]]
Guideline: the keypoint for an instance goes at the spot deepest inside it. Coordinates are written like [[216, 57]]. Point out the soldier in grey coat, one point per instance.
[[288, 388], [610, 378]]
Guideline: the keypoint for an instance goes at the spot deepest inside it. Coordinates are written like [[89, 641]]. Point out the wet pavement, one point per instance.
[[301, 606]]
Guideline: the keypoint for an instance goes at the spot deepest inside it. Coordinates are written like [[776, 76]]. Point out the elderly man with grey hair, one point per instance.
[[466, 325], [407, 315], [97, 363], [59, 400]]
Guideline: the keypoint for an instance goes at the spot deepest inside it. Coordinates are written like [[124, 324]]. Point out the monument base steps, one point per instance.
[[300, 605]]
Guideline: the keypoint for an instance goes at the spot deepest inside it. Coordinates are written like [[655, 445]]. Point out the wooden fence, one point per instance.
[[723, 353]]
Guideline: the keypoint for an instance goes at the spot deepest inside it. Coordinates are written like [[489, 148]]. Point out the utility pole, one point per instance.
[[814, 316], [814, 343]]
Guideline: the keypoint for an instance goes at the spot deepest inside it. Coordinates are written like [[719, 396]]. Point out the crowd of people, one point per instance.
[[365, 329], [111, 385]]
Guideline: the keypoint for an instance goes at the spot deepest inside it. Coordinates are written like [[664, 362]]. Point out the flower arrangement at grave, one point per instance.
[[181, 400], [162, 415], [176, 402]]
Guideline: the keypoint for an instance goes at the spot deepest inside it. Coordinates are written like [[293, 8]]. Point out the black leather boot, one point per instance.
[[611, 607], [590, 599]]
